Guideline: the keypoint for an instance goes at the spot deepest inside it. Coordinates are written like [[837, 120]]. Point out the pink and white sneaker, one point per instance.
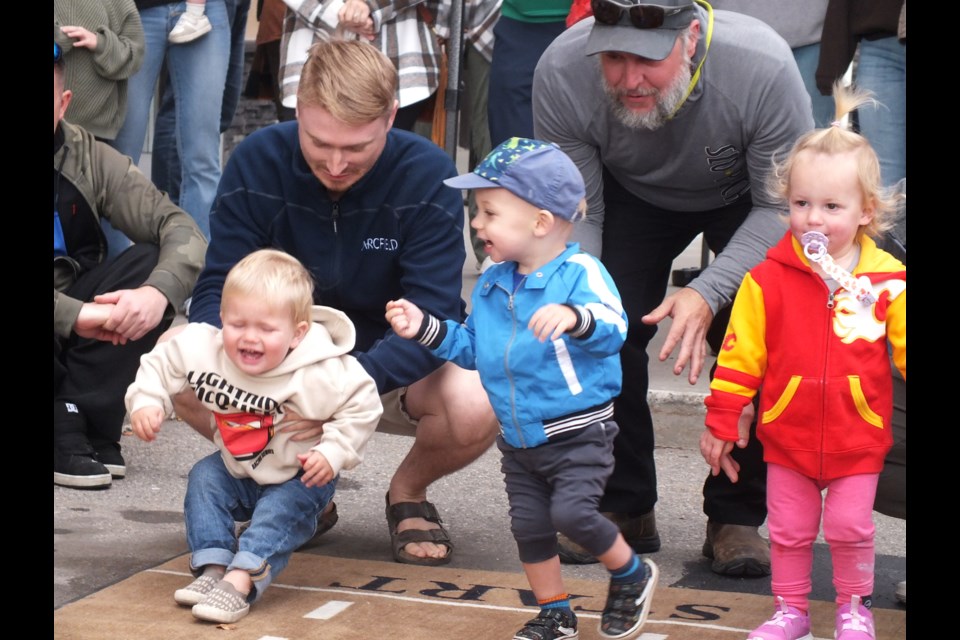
[[787, 623], [854, 622]]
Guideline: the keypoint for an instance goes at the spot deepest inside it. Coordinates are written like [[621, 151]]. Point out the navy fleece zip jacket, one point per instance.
[[398, 232]]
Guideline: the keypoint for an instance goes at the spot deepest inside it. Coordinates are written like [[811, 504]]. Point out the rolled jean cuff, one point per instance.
[[204, 557]]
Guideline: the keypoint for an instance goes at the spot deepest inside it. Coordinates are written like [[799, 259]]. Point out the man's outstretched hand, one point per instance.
[[691, 317]]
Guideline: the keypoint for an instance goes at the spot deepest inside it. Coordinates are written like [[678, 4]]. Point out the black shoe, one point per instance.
[[640, 532], [628, 604], [550, 624], [109, 456], [79, 471]]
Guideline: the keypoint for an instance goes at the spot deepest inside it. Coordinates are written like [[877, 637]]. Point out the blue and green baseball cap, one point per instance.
[[533, 170]]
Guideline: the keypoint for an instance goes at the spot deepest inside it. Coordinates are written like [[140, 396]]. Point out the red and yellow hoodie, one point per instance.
[[821, 358]]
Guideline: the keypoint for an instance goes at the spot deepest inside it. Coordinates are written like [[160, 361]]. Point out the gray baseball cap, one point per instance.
[[645, 30]]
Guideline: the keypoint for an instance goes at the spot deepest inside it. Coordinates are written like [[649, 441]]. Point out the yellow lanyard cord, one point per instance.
[[696, 75]]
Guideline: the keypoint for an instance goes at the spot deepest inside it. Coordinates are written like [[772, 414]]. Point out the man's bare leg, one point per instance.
[[456, 426]]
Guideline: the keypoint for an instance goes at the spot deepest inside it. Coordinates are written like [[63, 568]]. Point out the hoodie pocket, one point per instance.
[[861, 403], [783, 401]]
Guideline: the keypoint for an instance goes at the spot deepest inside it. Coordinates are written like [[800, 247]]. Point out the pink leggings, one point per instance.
[[794, 505]]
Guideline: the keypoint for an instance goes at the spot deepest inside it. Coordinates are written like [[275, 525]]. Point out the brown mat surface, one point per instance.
[[346, 599]]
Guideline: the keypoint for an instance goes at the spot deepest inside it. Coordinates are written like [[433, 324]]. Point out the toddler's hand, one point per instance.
[[82, 37], [316, 470], [146, 422], [552, 321], [717, 454], [405, 318]]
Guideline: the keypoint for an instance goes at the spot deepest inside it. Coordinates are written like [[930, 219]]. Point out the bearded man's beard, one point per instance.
[[666, 103]]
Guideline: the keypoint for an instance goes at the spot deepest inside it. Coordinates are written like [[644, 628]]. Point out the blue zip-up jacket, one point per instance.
[[540, 390], [398, 232]]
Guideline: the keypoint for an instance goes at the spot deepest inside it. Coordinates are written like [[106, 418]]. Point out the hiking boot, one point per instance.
[[640, 532], [79, 471], [737, 550], [189, 27], [628, 604], [109, 456], [550, 624], [787, 623], [194, 592], [222, 604], [854, 622]]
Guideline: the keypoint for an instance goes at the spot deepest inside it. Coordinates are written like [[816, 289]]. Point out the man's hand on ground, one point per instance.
[[691, 318]]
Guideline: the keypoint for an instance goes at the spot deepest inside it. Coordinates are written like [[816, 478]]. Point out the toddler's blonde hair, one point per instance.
[[836, 139], [276, 279]]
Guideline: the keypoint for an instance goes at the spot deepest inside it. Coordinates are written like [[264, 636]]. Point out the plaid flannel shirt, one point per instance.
[[479, 18], [402, 35]]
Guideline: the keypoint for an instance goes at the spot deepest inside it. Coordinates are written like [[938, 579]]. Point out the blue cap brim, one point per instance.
[[469, 181]]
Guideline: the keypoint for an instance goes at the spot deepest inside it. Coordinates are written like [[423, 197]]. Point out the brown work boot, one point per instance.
[[640, 532], [737, 550]]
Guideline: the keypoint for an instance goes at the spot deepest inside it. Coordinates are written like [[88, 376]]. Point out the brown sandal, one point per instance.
[[427, 511]]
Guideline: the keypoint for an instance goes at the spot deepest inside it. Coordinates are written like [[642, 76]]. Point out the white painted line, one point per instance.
[[328, 610], [271, 638]]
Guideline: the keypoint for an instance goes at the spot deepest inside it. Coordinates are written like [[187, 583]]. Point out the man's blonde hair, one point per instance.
[[274, 278], [350, 79], [835, 140]]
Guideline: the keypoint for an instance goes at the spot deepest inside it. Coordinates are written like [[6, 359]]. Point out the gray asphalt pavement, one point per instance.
[[102, 537]]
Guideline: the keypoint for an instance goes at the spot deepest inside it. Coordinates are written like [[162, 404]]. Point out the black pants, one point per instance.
[[90, 377], [891, 497], [640, 243]]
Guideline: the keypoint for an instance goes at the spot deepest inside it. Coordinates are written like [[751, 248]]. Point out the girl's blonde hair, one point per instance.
[[836, 139], [274, 278]]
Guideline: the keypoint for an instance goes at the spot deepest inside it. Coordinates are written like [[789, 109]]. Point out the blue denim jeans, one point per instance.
[[882, 69], [807, 58], [165, 168], [198, 74], [283, 517]]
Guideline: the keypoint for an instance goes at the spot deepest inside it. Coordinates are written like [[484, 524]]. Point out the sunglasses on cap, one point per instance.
[[57, 53], [642, 16]]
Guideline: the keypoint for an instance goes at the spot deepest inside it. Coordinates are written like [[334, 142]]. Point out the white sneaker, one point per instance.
[[189, 27]]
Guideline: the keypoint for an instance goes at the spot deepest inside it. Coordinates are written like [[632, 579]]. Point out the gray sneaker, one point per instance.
[[223, 604], [195, 591]]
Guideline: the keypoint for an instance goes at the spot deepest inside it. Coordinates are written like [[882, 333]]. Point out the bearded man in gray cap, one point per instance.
[[672, 112]]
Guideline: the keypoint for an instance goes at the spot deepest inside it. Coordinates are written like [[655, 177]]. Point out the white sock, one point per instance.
[[196, 8]]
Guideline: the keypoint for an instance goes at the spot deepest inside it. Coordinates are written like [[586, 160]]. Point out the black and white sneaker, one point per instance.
[[550, 624], [79, 471], [109, 456], [628, 604]]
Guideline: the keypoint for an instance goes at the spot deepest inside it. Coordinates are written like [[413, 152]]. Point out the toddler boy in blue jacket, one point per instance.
[[545, 333]]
